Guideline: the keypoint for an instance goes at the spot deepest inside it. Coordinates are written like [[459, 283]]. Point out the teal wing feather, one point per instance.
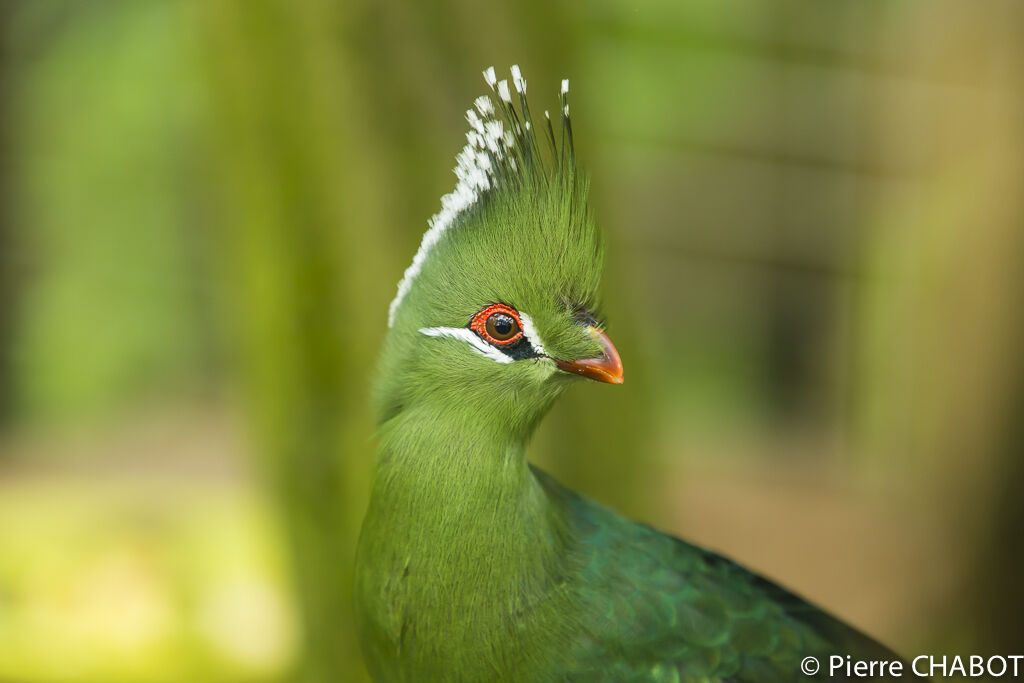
[[656, 608]]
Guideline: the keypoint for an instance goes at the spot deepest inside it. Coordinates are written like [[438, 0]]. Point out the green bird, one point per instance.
[[474, 565]]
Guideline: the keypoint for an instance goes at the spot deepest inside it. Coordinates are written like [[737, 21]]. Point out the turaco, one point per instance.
[[474, 565]]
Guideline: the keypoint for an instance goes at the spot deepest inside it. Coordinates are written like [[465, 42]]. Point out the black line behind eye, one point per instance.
[[520, 350]]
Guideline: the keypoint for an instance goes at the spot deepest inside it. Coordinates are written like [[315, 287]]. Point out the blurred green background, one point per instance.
[[815, 220]]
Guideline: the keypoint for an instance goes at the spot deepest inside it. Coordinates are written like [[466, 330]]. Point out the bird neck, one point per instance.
[[461, 541], [454, 498]]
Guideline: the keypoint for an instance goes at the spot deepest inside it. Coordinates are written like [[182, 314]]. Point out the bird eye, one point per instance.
[[498, 324], [501, 326]]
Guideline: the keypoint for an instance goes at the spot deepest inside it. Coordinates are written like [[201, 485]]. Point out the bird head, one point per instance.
[[499, 310]]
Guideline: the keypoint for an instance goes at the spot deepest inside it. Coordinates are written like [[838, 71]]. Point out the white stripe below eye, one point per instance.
[[468, 336], [530, 332]]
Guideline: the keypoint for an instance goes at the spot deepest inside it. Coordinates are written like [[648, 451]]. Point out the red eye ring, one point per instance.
[[479, 324]]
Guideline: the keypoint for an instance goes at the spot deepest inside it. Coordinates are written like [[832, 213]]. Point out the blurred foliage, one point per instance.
[[296, 257], [150, 573], [815, 260], [106, 134]]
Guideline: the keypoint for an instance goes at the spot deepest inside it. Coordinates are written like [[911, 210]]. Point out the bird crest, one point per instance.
[[502, 155]]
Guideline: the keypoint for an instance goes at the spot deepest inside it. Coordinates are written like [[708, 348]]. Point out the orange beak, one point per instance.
[[607, 368]]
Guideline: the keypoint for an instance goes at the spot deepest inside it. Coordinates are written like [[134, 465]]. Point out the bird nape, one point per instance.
[[472, 564]]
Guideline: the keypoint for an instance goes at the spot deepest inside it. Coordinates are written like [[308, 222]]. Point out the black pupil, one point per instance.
[[502, 326]]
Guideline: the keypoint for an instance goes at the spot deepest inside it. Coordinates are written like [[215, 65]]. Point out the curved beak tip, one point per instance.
[[607, 368]]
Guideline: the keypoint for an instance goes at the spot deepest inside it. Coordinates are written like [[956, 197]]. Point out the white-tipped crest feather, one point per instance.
[[503, 92], [517, 79]]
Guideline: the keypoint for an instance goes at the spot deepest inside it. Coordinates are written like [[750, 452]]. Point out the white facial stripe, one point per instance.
[[468, 336], [482, 347], [530, 332]]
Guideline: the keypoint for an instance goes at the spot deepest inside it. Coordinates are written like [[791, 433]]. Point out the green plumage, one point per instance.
[[474, 566]]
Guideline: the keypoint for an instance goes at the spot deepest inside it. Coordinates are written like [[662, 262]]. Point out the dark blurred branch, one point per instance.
[[8, 247], [1000, 600]]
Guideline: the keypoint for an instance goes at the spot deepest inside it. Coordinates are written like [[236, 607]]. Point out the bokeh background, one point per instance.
[[815, 274]]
